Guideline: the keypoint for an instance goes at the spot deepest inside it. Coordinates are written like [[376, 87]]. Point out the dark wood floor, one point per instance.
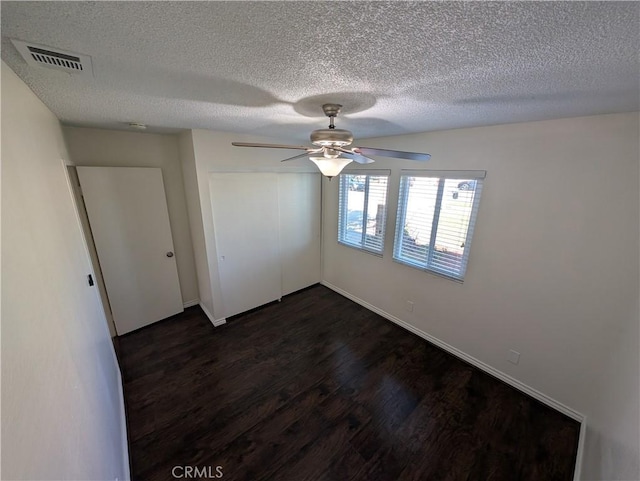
[[318, 388]]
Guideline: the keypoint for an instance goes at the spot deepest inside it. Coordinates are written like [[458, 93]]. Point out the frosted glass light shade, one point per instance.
[[330, 167]]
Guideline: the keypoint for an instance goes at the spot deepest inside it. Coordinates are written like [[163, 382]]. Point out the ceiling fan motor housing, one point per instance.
[[331, 137]]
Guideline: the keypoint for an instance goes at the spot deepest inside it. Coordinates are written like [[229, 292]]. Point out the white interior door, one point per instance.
[[127, 210], [245, 217]]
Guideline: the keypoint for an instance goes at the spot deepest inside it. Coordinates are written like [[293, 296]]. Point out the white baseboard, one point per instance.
[[215, 322], [193, 302], [124, 440]]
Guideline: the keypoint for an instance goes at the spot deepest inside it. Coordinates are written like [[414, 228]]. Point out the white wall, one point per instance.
[[111, 148], [213, 152], [552, 273], [62, 411], [612, 448]]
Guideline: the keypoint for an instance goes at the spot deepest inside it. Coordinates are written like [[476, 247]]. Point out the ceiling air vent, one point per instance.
[[42, 56]]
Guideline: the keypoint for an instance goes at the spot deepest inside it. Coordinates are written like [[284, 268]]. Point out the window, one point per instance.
[[363, 210], [436, 215]]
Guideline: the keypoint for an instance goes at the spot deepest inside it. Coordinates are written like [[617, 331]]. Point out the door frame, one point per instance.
[[92, 253]]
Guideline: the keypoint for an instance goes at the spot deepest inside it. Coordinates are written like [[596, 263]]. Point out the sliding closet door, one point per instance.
[[245, 219], [300, 221]]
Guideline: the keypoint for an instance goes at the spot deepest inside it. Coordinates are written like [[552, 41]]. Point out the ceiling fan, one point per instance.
[[331, 153]]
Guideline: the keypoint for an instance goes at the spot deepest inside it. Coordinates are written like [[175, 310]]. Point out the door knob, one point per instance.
[[169, 254]]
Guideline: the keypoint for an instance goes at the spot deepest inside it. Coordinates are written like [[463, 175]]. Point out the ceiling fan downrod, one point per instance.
[[331, 111]]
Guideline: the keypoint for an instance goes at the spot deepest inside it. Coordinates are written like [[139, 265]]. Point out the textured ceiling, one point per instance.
[[265, 68]]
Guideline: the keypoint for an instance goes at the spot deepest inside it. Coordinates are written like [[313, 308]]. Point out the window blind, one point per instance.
[[362, 210], [436, 217]]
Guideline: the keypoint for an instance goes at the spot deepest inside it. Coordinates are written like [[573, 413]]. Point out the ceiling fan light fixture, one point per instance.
[[330, 167]]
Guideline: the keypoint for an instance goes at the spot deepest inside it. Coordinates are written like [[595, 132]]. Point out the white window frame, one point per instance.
[[342, 209], [478, 176]]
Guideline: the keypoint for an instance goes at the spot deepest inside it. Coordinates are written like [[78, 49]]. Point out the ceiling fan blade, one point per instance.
[[355, 156], [269, 146], [397, 154], [298, 156]]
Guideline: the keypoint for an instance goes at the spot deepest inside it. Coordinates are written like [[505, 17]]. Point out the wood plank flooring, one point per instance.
[[317, 387]]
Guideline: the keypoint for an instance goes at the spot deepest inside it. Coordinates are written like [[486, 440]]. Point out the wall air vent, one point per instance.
[[43, 56]]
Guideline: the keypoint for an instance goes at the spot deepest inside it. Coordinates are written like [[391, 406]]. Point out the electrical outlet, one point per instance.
[[513, 356], [409, 306]]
